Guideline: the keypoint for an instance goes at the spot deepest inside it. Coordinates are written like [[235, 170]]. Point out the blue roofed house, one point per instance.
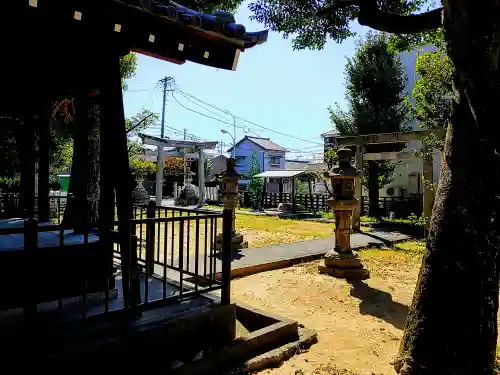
[[271, 157]]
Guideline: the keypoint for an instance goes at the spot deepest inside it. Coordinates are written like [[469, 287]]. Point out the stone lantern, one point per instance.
[[341, 261], [228, 181]]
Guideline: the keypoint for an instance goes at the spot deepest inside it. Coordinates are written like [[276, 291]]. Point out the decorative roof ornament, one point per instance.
[[219, 22]]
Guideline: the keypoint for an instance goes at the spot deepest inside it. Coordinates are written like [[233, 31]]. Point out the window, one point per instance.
[[240, 159], [275, 160]]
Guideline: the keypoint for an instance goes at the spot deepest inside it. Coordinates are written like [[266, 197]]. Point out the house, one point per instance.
[[407, 174], [271, 157], [313, 171]]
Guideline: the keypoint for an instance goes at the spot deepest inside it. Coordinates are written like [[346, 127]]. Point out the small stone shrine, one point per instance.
[[189, 195], [342, 261], [228, 180]]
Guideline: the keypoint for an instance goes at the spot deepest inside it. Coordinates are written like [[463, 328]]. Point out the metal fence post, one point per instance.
[[150, 238], [227, 228]]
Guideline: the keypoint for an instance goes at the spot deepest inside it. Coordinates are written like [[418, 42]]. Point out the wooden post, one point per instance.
[[358, 188], [106, 189], [113, 117], [43, 171], [227, 218], [263, 198], [30, 248], [150, 238]]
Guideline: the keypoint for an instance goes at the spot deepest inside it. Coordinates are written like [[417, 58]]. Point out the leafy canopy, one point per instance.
[[256, 184], [375, 93], [433, 94], [298, 18]]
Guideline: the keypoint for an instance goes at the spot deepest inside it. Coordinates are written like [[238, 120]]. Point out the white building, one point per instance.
[[408, 176]]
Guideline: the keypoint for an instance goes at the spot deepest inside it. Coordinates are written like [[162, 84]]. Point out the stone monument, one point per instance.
[[342, 261], [228, 180]]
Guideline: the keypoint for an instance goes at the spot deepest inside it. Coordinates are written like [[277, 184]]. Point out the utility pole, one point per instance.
[[166, 83], [159, 150]]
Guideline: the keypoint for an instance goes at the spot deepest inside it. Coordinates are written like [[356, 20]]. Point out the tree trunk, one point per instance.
[[373, 189], [84, 180], [452, 324]]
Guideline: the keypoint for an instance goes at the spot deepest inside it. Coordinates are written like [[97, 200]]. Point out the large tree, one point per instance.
[[452, 324], [84, 127], [375, 95]]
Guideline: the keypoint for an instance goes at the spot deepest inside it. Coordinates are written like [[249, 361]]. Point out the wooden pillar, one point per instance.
[[427, 174], [28, 163], [263, 198], [113, 117], [309, 185], [358, 188], [43, 171], [106, 185]]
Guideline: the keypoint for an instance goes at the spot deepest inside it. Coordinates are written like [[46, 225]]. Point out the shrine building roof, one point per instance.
[[161, 29]]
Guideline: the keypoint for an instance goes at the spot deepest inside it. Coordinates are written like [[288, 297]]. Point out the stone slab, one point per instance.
[[345, 273]]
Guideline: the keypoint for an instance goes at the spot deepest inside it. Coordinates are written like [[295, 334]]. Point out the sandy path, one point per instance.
[[358, 325]]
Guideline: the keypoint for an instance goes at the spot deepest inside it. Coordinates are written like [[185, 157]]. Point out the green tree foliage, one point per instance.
[[300, 186], [141, 121], [128, 66], [256, 184], [298, 18], [375, 95], [141, 166], [433, 93]]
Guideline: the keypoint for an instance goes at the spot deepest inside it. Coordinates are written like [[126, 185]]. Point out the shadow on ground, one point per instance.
[[378, 303], [235, 255]]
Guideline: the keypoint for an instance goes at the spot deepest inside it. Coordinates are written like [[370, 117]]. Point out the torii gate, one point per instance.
[[360, 142], [162, 143]]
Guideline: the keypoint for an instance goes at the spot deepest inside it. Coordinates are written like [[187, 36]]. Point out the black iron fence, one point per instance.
[[10, 206], [179, 252], [400, 207], [179, 247], [310, 202]]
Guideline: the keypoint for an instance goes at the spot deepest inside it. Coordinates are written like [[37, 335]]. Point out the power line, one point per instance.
[[240, 118], [192, 101]]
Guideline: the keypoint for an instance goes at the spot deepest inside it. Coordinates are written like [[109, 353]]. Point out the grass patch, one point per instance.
[[212, 207], [368, 219], [262, 231]]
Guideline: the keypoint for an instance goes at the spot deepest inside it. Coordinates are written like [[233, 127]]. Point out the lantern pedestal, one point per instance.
[[237, 242], [229, 181], [341, 261]]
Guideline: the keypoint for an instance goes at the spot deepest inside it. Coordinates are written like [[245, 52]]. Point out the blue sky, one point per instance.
[[273, 86]]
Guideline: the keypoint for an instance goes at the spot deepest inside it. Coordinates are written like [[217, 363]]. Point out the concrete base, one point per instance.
[[237, 242], [343, 265], [357, 273]]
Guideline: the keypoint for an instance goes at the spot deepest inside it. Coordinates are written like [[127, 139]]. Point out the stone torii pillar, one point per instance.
[[358, 188], [201, 176], [159, 175]]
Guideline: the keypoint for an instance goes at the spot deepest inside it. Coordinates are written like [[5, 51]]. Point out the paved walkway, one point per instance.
[[254, 260]]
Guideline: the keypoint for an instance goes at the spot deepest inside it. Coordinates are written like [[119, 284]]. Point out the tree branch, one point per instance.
[[370, 15], [396, 24], [139, 123]]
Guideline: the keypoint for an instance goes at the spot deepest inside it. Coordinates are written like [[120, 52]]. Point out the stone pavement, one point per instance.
[[253, 260]]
